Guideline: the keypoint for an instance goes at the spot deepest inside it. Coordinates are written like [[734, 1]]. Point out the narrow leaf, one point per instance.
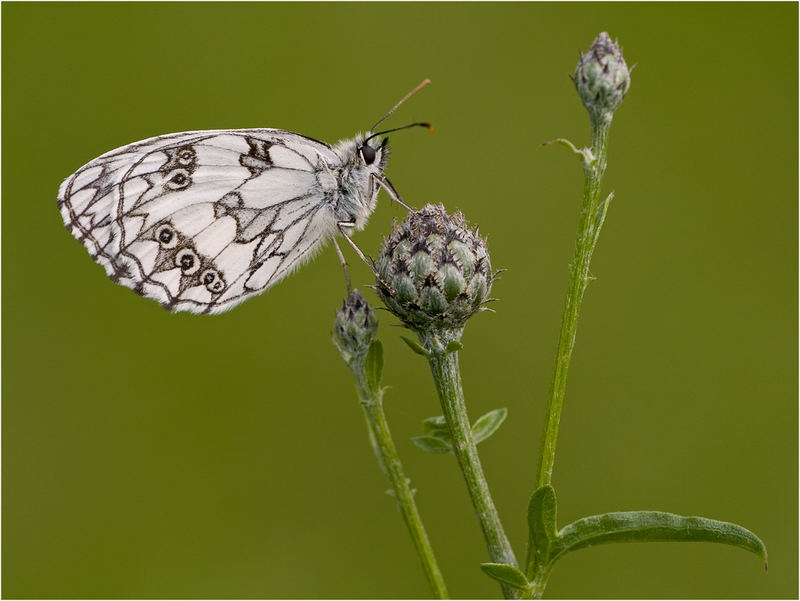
[[432, 444], [653, 526], [453, 346], [486, 425], [542, 523], [563, 142], [373, 365], [506, 574], [599, 219], [437, 426], [414, 346]]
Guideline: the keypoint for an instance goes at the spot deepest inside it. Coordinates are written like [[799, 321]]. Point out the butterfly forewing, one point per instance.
[[200, 221]]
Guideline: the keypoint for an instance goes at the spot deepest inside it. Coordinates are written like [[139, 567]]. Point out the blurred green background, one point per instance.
[[155, 455]]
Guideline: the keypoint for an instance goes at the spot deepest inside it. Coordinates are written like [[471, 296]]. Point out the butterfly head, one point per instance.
[[373, 153], [363, 160]]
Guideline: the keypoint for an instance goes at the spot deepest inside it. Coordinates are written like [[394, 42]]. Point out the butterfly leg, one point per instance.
[[384, 183], [343, 262], [371, 264]]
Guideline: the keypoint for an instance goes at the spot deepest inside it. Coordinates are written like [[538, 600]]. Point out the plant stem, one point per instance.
[[389, 460], [591, 219], [447, 376], [538, 579]]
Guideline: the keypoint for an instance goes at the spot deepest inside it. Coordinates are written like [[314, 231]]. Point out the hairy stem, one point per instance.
[[538, 579], [591, 218], [447, 376], [389, 460]]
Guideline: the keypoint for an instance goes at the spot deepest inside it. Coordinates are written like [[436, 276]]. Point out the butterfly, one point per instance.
[[203, 220]]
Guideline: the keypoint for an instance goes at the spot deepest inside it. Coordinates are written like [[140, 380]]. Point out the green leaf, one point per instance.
[[432, 444], [599, 218], [486, 425], [506, 574], [373, 365], [585, 154], [542, 523], [453, 346], [653, 526], [414, 346], [437, 426]]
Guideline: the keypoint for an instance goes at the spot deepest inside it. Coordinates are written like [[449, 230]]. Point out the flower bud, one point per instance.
[[354, 328], [602, 78], [434, 272]]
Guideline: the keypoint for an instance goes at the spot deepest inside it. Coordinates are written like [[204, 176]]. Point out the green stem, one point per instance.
[[447, 376], [538, 579], [591, 218], [389, 460]]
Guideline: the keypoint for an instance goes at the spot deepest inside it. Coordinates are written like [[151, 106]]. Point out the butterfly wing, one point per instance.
[[201, 221]]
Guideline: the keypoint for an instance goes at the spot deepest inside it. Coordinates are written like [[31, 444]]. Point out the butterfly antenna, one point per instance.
[[424, 83], [427, 126]]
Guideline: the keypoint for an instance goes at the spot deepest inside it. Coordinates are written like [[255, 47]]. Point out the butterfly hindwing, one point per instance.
[[200, 221]]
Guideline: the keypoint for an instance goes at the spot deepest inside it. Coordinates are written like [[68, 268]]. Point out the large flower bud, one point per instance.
[[354, 328], [434, 272], [602, 78]]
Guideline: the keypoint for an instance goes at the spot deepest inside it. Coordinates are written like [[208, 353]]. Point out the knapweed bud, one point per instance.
[[354, 328], [434, 272], [602, 78]]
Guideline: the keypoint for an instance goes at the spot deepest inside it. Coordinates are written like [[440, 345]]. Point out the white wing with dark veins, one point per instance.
[[200, 221]]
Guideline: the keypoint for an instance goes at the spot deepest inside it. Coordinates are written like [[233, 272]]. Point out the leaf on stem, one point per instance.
[[373, 365], [414, 346], [437, 426], [433, 444], [437, 436], [506, 574], [486, 425], [453, 346], [542, 523], [652, 526], [599, 218], [483, 428], [585, 154]]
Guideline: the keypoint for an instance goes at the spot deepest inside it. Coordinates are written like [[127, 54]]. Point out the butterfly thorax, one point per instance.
[[358, 185]]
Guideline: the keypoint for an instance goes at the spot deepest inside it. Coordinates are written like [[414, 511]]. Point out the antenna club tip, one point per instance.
[[429, 126]]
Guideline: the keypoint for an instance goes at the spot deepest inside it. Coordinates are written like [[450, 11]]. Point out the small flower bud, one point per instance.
[[434, 272], [602, 78], [354, 328]]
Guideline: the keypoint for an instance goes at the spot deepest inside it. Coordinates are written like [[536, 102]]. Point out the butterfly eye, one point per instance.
[[368, 154], [166, 236], [212, 280], [177, 179], [188, 261]]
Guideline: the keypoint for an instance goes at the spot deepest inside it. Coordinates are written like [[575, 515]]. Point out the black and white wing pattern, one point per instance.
[[200, 221]]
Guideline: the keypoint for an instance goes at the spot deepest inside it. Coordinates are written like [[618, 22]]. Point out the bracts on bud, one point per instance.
[[434, 272], [354, 328], [601, 77]]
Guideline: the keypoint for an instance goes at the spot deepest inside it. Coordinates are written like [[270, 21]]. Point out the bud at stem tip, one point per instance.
[[434, 272], [601, 77], [354, 328]]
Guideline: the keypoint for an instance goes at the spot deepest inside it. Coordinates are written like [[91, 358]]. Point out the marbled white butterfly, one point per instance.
[[203, 220]]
